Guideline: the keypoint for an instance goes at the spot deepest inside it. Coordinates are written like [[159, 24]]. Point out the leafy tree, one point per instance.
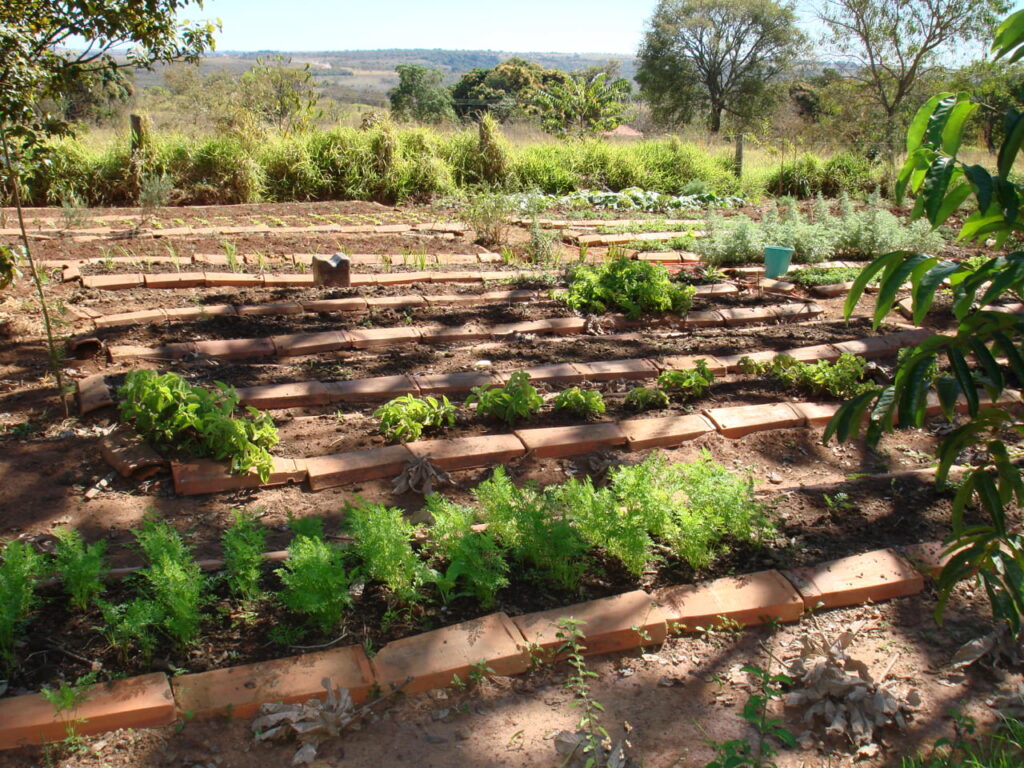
[[580, 106], [897, 42], [420, 95], [997, 87], [991, 550], [94, 96], [280, 94], [504, 91], [35, 65], [720, 56]]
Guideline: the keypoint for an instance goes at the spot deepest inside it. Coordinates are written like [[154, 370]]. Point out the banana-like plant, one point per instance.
[[984, 353]]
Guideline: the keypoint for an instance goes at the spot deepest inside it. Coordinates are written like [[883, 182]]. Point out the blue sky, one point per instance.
[[605, 26]]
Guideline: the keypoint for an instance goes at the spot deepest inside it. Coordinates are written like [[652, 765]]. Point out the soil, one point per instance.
[[49, 462]]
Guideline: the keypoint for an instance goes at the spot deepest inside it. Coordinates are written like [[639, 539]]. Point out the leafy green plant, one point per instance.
[[810, 276], [315, 581], [243, 543], [131, 626], [518, 399], [383, 542], [634, 287], [172, 579], [21, 567], [405, 418], [740, 753], [80, 566], [691, 383], [841, 378], [587, 404], [593, 735], [644, 399], [487, 215], [65, 699], [474, 561], [990, 551], [170, 412]]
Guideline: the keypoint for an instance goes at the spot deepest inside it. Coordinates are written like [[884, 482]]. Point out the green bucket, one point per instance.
[[776, 261]]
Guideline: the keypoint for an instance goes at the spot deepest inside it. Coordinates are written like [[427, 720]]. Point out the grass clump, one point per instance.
[[315, 581], [170, 412], [469, 562], [81, 566], [686, 384], [244, 543], [518, 399], [645, 399], [383, 542], [21, 566], [841, 379], [405, 418], [586, 404], [634, 287], [172, 580]]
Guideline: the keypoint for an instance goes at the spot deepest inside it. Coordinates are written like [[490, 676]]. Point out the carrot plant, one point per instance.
[[315, 581], [172, 579], [21, 567], [170, 412], [81, 566], [474, 563], [383, 542], [243, 545]]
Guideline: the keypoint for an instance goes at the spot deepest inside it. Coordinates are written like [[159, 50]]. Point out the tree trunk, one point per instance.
[[716, 117]]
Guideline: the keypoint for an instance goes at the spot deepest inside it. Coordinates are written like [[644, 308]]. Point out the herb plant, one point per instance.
[[644, 399], [586, 404], [315, 581], [840, 379], [405, 418], [518, 399], [80, 566], [691, 383], [634, 287], [21, 567], [243, 544], [383, 542], [170, 412]]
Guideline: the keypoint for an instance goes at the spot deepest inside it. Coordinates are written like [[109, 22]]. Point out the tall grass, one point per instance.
[[388, 164]]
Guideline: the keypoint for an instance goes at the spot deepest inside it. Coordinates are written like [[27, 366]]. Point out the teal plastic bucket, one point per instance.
[[776, 261]]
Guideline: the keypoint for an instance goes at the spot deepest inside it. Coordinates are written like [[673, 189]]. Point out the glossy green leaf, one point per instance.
[[924, 290]]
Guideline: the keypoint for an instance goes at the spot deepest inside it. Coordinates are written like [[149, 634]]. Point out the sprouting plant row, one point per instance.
[[644, 514]]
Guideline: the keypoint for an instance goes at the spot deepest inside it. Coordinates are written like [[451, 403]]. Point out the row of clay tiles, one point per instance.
[[347, 304], [507, 645], [296, 344], [88, 234], [95, 393]]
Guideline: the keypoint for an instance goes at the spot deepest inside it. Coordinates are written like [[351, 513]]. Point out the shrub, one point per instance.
[[522, 521], [635, 287], [644, 399], [170, 412], [800, 178], [315, 581], [586, 404], [691, 383], [474, 560], [404, 418], [21, 567], [383, 542], [80, 566], [172, 579], [847, 173], [488, 216], [741, 241], [244, 543], [518, 399]]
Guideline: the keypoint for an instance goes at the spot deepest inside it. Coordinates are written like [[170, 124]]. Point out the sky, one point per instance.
[[571, 26]]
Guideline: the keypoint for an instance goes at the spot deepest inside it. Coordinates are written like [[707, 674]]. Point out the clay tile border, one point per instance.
[[555, 442], [200, 476], [468, 452], [300, 393], [665, 432], [371, 390], [741, 420], [356, 466], [873, 576], [750, 599], [94, 393]]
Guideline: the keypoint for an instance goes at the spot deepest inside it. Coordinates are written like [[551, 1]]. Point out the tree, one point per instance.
[[897, 42], [279, 94], [34, 66], [420, 95], [583, 105], [985, 354], [507, 90], [720, 56], [997, 87]]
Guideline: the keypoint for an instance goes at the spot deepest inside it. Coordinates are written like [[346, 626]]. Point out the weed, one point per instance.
[[587, 404], [168, 411], [518, 399], [687, 384], [644, 399], [635, 287], [243, 543], [231, 252], [593, 735], [383, 542], [81, 566], [405, 418], [315, 581], [21, 567]]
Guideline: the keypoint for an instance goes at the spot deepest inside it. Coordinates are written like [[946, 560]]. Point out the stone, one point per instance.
[[332, 271]]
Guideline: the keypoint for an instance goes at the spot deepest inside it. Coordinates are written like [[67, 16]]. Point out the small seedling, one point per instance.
[[587, 404], [644, 399]]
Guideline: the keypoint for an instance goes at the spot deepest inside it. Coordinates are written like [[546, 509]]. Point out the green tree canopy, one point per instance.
[[279, 94], [507, 90], [420, 95], [715, 56], [583, 105]]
